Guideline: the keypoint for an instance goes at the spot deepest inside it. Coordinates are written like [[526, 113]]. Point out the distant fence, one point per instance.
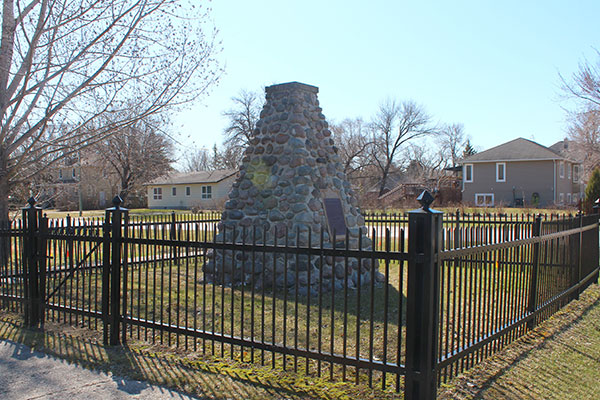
[[446, 291]]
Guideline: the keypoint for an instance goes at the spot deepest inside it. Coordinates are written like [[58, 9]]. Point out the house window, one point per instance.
[[575, 198], [188, 191], [569, 167], [561, 169], [575, 173], [500, 172], [157, 193], [174, 191], [568, 198], [207, 192], [74, 174], [468, 172], [561, 198], [484, 199], [60, 174]]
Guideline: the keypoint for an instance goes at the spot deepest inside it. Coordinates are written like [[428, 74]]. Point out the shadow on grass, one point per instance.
[[539, 339], [190, 373]]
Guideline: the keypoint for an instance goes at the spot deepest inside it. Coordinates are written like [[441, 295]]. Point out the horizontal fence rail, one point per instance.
[[490, 294], [403, 315]]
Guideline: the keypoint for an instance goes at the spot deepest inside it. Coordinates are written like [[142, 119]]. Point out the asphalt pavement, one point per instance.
[[29, 374]]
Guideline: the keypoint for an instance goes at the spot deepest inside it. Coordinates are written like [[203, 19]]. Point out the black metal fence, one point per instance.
[[444, 293]]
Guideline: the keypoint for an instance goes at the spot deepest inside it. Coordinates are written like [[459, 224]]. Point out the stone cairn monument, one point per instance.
[[291, 184]]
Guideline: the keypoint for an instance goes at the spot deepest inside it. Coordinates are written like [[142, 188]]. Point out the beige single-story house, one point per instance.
[[205, 190], [522, 172]]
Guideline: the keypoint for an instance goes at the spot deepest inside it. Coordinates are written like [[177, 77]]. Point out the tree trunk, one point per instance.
[[4, 215], [384, 177]]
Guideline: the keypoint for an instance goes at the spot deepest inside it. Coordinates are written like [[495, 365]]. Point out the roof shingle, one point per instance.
[[193, 177], [517, 149]]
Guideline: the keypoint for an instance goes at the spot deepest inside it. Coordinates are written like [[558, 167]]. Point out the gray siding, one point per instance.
[[526, 177], [566, 185]]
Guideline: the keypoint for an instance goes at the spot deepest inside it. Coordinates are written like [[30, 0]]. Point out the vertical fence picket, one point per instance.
[[157, 264]]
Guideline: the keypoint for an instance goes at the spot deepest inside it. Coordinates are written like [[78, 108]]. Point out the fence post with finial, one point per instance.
[[422, 303], [114, 290]]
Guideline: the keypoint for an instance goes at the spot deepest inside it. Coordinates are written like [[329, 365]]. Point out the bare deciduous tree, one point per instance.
[[66, 65], [584, 132], [585, 83], [197, 160], [584, 122], [242, 119], [352, 140], [137, 154], [230, 157], [423, 161], [393, 126], [452, 141]]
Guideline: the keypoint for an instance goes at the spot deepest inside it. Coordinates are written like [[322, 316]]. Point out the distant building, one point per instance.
[[89, 180], [203, 190], [522, 172]]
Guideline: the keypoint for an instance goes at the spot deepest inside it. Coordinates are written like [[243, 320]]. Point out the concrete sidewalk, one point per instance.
[[30, 374]]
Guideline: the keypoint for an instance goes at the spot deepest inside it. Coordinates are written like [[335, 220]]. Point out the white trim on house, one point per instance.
[[466, 175], [561, 169], [561, 198], [206, 192], [484, 199], [501, 177]]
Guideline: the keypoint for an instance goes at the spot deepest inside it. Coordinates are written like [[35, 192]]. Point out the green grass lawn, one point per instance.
[[559, 360]]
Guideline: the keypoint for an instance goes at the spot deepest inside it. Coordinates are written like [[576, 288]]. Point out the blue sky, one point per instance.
[[492, 66]]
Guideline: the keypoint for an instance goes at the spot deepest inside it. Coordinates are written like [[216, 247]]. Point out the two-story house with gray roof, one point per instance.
[[521, 172]]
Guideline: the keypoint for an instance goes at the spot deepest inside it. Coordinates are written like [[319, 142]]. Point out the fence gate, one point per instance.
[[67, 270]]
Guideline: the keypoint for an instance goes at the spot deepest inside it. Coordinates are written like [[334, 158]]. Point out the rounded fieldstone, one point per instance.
[[274, 128], [304, 170], [281, 138], [302, 189], [246, 222], [276, 215], [297, 161], [270, 202], [314, 204], [235, 214], [245, 184], [299, 207], [269, 160]]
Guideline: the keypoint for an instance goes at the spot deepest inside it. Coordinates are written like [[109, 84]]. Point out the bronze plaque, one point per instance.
[[335, 217]]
